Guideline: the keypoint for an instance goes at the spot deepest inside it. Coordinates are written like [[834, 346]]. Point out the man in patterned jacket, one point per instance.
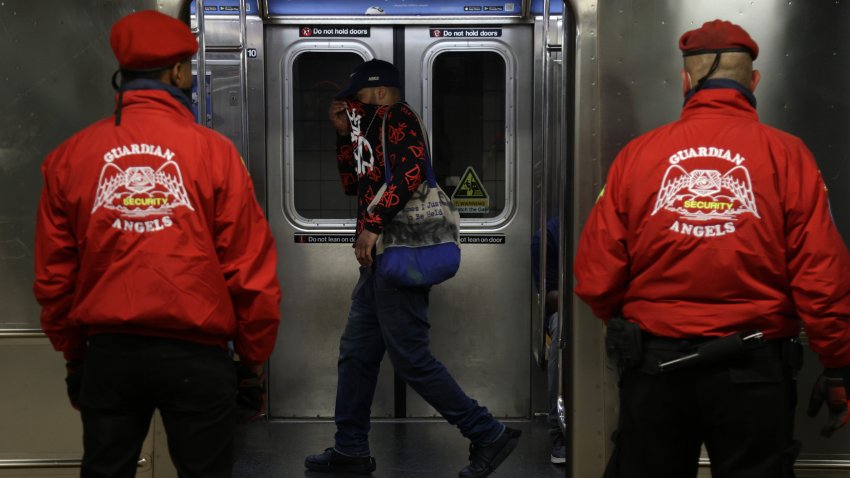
[[151, 255], [710, 244], [384, 317]]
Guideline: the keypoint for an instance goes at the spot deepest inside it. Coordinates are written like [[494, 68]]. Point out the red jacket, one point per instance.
[[152, 228], [717, 224]]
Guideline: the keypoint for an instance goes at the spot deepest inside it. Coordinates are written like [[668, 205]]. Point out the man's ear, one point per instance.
[[686, 82], [175, 74], [755, 81]]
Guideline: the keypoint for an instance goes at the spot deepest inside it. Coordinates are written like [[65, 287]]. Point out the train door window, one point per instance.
[[468, 98], [315, 187]]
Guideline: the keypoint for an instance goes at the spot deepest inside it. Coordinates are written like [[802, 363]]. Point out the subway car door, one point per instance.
[[473, 87], [311, 218], [468, 93]]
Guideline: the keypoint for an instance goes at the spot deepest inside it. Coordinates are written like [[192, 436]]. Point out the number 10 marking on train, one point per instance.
[[252, 53]]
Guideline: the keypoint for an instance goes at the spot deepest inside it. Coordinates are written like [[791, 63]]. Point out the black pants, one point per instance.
[[127, 377], [742, 410]]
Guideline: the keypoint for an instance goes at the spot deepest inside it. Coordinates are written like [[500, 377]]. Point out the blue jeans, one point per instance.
[[395, 319]]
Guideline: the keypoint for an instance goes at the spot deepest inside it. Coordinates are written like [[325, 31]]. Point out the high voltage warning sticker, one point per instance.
[[470, 197]]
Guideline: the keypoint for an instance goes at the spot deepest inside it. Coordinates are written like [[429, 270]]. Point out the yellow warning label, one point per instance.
[[469, 186], [470, 196]]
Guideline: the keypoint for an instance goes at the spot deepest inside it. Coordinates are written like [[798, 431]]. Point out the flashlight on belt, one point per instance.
[[716, 350]]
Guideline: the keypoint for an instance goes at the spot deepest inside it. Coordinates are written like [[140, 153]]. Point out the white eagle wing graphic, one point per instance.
[[111, 178], [169, 176], [738, 181], [675, 179]]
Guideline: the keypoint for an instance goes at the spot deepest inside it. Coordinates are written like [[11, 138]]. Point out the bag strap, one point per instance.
[[429, 169]]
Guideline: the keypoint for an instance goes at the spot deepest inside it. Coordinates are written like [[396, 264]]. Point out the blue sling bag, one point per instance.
[[420, 246]]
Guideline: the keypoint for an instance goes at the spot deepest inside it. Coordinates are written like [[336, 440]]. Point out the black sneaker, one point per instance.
[[332, 461], [483, 459], [558, 455]]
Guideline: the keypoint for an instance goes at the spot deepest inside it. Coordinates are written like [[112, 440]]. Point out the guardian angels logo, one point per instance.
[[145, 197], [706, 195]]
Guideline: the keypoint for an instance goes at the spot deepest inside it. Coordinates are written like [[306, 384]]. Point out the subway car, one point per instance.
[[527, 103]]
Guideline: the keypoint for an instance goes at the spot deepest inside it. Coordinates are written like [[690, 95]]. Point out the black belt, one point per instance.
[[132, 342], [664, 354]]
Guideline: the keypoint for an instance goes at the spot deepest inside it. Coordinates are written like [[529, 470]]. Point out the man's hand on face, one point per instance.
[[339, 117]]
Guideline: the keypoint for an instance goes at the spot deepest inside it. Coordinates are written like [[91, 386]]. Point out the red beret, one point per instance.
[[717, 36], [149, 40]]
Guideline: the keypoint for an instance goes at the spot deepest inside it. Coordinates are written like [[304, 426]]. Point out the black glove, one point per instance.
[[832, 388], [73, 381], [251, 394]]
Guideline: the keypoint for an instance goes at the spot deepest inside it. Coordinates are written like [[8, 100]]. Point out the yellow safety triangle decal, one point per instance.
[[470, 186]]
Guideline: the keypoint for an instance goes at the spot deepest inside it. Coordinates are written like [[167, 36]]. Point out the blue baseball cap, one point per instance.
[[370, 74]]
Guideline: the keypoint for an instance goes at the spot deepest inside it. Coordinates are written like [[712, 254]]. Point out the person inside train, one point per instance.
[[709, 247], [151, 256], [384, 317], [558, 455]]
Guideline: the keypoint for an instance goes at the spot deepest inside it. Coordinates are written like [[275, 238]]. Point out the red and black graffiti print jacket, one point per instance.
[[717, 224], [151, 228], [360, 159]]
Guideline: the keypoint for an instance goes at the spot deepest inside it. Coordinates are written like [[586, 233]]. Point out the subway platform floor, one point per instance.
[[402, 449]]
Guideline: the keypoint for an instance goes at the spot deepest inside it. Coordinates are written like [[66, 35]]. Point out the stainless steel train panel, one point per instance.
[[35, 404], [41, 433], [547, 169], [238, 115], [592, 413], [53, 84], [223, 69]]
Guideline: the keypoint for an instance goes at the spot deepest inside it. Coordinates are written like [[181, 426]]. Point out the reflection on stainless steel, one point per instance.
[[39, 463], [562, 413]]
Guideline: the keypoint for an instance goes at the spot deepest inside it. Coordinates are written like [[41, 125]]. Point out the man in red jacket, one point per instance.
[[709, 245], [152, 254]]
